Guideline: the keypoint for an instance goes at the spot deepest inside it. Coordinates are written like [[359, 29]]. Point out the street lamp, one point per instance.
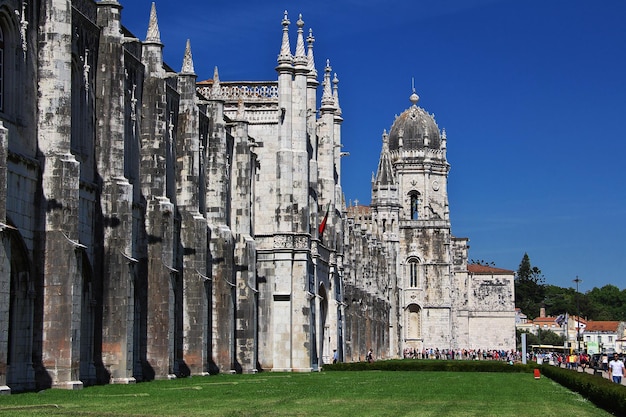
[[578, 281]]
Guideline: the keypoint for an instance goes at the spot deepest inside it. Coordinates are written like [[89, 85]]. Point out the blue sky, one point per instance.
[[532, 95]]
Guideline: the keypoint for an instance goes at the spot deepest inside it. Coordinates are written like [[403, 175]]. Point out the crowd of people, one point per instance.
[[463, 354], [614, 367]]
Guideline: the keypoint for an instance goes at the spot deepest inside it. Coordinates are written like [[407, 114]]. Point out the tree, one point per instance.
[[529, 288], [543, 337]]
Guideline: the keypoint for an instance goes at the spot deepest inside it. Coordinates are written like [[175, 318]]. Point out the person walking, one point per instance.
[[616, 369]]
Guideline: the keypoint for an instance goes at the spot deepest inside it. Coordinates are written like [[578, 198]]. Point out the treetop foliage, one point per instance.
[[531, 293]]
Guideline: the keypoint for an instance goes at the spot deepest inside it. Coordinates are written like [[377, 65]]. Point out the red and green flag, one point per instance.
[[323, 223]]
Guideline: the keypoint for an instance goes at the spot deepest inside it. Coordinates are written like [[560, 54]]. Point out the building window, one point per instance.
[[413, 273], [414, 205], [599, 339], [610, 339]]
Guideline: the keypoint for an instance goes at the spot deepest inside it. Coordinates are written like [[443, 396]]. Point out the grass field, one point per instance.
[[345, 394]]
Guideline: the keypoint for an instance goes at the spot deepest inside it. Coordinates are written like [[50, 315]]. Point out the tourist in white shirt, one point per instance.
[[616, 369]]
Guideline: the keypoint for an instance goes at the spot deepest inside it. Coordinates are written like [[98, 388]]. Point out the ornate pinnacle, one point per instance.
[[311, 62], [300, 57], [188, 60], [153, 36], [285, 57]]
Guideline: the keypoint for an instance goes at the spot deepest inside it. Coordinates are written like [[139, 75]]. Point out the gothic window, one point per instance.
[[413, 273], [415, 198], [76, 138], [9, 71]]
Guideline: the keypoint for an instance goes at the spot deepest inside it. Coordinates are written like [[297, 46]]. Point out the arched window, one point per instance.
[[415, 198], [413, 273]]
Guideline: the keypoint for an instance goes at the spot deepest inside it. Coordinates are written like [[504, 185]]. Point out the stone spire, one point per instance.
[[336, 95], [215, 88], [328, 102], [385, 177], [300, 58], [188, 61], [311, 61], [285, 59], [153, 36]]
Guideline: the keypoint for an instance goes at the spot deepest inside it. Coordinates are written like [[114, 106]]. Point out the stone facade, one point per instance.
[[153, 226]]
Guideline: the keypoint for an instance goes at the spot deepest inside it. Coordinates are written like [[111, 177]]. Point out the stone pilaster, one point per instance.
[[162, 276], [5, 264], [120, 265], [220, 260], [60, 248], [196, 277], [245, 248]]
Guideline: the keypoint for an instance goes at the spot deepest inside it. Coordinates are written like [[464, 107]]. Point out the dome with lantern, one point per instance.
[[414, 129]]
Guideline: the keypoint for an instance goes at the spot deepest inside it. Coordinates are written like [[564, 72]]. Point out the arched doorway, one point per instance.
[[323, 346], [20, 372], [87, 323], [413, 327]]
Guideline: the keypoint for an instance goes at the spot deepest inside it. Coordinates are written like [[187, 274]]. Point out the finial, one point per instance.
[[414, 97], [153, 35], [188, 60]]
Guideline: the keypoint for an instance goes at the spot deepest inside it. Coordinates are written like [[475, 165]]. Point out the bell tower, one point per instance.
[[416, 151]]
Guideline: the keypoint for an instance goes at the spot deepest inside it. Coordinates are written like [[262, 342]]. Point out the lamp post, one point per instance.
[[578, 281]]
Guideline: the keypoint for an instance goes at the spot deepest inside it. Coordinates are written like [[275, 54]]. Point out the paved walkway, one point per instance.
[[605, 374]]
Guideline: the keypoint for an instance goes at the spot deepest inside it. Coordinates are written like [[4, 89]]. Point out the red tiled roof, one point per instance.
[[544, 320], [487, 270], [602, 326]]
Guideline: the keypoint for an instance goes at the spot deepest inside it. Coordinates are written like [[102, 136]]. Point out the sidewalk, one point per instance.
[[605, 374]]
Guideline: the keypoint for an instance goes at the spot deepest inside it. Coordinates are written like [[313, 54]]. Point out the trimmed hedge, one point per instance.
[[603, 392], [430, 365]]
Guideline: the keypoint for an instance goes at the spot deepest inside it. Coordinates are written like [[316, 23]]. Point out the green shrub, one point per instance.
[[430, 365], [602, 392]]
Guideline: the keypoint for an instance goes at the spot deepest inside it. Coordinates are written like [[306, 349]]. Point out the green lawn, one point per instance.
[[345, 394]]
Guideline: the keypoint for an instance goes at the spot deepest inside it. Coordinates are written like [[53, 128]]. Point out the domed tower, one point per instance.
[[418, 153], [415, 149]]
